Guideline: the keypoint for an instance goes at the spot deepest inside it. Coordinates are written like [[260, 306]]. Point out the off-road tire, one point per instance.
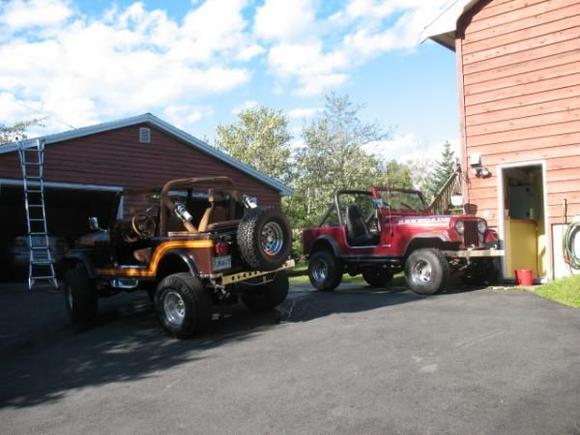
[[193, 301], [484, 271], [377, 277], [80, 296], [249, 238], [268, 296], [324, 261], [428, 283]]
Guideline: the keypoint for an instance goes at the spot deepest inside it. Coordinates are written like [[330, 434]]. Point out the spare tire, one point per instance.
[[264, 238]]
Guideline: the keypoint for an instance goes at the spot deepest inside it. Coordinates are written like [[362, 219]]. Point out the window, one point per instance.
[[144, 135]]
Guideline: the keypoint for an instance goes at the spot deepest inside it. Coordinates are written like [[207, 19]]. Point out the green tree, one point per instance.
[[443, 169], [331, 158], [17, 131], [261, 139]]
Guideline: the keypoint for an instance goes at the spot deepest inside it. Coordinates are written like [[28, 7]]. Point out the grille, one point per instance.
[[471, 235]]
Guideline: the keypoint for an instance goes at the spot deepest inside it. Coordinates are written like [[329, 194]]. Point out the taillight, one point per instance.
[[222, 248]]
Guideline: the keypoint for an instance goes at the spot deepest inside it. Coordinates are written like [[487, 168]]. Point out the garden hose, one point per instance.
[[569, 244]]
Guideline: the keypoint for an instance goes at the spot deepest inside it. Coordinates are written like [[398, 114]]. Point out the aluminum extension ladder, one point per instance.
[[41, 262]]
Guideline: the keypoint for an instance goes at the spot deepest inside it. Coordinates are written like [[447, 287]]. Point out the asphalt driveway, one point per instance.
[[357, 361]]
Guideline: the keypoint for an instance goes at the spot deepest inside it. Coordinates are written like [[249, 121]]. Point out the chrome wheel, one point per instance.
[[272, 239], [173, 308], [421, 272], [320, 271]]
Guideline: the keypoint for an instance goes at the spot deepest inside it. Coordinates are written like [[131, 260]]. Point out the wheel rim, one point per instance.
[[272, 239], [320, 271], [421, 272], [173, 308]]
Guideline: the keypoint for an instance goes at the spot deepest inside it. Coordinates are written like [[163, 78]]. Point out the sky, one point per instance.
[[197, 63]]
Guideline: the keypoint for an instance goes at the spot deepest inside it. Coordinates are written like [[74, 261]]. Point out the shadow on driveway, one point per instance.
[[42, 356]]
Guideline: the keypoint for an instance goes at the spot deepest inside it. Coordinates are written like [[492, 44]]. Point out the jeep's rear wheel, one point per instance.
[[377, 277], [183, 305], [324, 271], [426, 271], [80, 296], [267, 296], [264, 238]]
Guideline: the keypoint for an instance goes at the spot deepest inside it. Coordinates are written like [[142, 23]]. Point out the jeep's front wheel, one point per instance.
[[377, 277], [426, 271], [267, 296], [183, 305], [324, 271], [80, 296]]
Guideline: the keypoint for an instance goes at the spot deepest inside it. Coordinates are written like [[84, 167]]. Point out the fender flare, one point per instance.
[[442, 237], [183, 255], [326, 239], [80, 257]]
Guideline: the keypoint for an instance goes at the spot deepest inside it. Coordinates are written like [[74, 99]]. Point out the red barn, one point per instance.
[[86, 167], [518, 71]]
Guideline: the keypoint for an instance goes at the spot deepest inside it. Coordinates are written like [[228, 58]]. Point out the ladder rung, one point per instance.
[[35, 205], [42, 262], [32, 163], [40, 248], [42, 277], [38, 233], [36, 220]]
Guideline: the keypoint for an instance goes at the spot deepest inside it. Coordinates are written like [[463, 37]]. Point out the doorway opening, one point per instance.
[[523, 215]]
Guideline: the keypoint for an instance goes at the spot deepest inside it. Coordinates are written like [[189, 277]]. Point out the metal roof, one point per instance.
[[154, 121], [443, 27]]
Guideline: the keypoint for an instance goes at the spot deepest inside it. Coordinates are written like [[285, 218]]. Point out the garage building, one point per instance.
[[86, 168]]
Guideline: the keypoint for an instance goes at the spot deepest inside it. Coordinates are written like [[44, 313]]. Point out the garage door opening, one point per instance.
[[67, 213], [524, 219]]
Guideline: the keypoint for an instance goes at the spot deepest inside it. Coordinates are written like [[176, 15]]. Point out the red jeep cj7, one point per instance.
[[383, 231]]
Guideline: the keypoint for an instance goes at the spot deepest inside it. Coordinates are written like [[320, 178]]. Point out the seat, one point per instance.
[[223, 210], [357, 232]]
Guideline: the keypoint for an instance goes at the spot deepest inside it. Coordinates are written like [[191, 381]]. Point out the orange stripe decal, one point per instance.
[[160, 250]]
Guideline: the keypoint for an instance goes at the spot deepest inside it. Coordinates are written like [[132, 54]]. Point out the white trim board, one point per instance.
[[501, 209], [148, 118], [58, 185]]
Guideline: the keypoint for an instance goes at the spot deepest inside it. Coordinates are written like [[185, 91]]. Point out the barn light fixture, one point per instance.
[[479, 170]]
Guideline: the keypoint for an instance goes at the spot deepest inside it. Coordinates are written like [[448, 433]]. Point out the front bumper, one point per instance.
[[475, 253], [247, 275]]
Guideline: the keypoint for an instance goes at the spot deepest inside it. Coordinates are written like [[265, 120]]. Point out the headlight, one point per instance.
[[460, 227], [481, 227]]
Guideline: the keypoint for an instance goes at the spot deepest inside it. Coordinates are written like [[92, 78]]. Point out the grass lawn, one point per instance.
[[565, 290]]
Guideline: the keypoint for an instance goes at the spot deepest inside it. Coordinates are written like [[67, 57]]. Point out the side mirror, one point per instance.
[[94, 223], [378, 202]]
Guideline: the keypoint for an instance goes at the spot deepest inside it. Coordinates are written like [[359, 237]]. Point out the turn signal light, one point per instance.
[[222, 248]]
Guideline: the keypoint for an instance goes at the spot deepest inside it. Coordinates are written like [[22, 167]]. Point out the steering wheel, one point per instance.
[[143, 224]]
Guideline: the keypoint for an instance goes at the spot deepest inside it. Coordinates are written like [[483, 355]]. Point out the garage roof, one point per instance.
[[443, 27], [154, 121]]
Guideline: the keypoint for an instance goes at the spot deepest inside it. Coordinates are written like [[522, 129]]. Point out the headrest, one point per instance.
[[353, 212], [222, 195]]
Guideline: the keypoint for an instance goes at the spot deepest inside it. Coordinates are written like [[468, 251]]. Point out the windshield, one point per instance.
[[403, 199]]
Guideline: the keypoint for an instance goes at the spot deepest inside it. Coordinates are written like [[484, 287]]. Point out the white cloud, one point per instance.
[[304, 112], [250, 52], [407, 147], [128, 61], [21, 14], [315, 54], [185, 115], [249, 104], [284, 20]]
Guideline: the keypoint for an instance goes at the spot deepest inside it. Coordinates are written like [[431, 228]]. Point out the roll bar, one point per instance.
[[166, 204]]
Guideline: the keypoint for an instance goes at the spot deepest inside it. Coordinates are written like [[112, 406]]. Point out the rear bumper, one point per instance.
[[475, 253], [247, 275]]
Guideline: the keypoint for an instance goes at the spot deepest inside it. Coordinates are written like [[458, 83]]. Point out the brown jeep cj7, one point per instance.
[[189, 249]]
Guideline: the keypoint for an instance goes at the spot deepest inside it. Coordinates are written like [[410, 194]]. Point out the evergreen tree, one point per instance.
[[443, 169]]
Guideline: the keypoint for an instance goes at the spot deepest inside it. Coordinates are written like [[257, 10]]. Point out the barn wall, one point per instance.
[[519, 75], [116, 158]]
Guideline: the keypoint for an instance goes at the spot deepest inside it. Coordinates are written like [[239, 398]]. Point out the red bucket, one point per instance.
[[524, 277]]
